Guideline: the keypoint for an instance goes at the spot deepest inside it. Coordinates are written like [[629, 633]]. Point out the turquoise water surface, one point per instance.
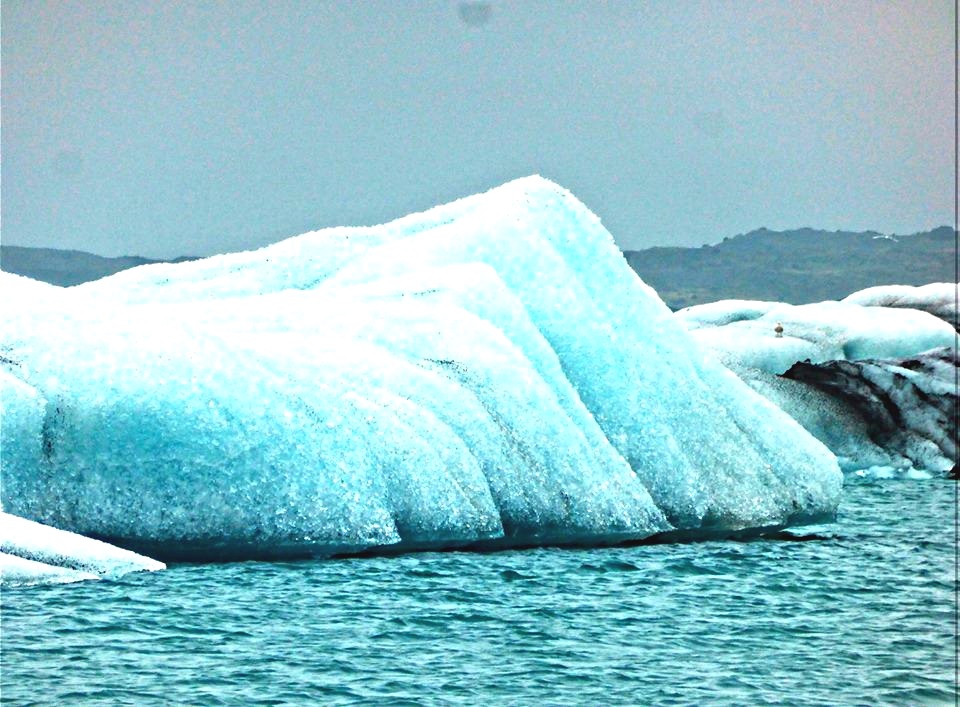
[[862, 611]]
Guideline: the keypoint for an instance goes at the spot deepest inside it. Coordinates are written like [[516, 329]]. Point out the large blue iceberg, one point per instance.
[[488, 373]]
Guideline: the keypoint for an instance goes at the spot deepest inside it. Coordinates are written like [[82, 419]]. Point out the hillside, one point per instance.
[[64, 267], [799, 266]]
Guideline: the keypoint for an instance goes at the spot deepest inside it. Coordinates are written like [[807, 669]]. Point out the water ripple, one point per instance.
[[859, 612]]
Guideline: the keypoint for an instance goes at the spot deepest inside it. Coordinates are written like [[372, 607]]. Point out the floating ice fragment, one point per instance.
[[33, 553]]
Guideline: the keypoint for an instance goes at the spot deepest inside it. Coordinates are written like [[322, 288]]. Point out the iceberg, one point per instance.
[[723, 312], [882, 417], [487, 373], [872, 377]]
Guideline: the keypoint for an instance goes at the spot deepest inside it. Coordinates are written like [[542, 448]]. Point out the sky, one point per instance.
[[189, 128]]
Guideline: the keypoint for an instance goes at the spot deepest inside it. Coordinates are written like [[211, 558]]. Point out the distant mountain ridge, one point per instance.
[[798, 266], [66, 267]]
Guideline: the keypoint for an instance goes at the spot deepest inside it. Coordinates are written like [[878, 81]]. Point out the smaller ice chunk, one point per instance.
[[872, 377], [18, 572], [890, 472], [33, 552]]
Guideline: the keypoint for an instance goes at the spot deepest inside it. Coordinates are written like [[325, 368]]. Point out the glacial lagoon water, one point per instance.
[[857, 612]]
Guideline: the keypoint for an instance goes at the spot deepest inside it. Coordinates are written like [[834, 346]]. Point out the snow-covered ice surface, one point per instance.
[[488, 372], [743, 334], [937, 298], [716, 314], [32, 553]]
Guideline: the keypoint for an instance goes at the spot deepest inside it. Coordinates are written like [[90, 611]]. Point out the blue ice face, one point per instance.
[[490, 371]]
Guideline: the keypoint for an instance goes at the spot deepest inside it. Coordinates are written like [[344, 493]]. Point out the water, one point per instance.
[[861, 613]]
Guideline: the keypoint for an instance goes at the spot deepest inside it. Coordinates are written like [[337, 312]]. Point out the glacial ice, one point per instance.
[[878, 416], [489, 372], [906, 406], [742, 334], [32, 553], [872, 377]]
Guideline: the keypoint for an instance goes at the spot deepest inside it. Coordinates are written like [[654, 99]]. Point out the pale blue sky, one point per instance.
[[167, 128]]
